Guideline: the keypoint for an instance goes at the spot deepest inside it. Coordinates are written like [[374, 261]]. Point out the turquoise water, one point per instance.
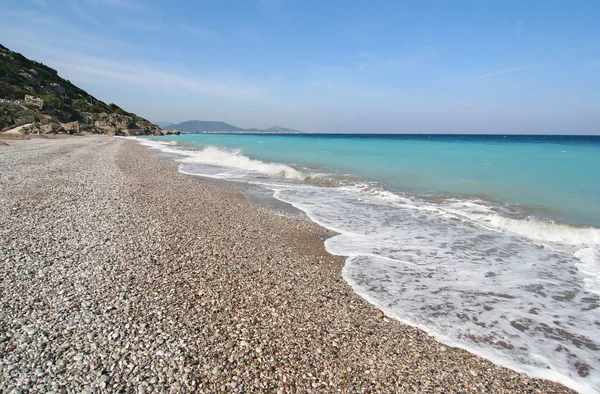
[[488, 243], [560, 176]]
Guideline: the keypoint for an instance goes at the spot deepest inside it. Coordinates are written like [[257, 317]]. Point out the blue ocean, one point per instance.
[[489, 243]]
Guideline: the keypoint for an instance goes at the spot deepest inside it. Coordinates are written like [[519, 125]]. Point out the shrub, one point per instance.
[[52, 101]]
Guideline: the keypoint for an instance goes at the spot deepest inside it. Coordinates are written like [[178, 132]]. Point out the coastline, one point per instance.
[[146, 277]]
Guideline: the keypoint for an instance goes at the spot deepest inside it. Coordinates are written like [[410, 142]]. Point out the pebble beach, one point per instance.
[[119, 274]]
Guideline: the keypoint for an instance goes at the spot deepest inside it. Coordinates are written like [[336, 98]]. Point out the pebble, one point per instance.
[[122, 275]]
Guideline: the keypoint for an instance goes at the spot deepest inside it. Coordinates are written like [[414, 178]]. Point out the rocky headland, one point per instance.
[[34, 99]]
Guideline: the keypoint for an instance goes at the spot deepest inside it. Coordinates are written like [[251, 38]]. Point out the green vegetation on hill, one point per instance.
[[31, 92]]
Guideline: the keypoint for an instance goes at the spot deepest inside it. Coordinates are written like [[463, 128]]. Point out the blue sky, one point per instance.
[[328, 66]]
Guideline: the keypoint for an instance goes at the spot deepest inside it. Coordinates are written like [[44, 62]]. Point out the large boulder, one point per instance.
[[71, 128], [48, 128]]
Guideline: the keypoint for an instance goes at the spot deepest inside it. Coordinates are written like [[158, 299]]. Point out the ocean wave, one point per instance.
[[485, 214], [214, 156], [474, 210], [529, 226], [545, 230]]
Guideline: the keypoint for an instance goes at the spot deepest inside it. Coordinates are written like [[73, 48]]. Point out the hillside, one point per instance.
[[202, 126], [35, 97], [277, 129], [198, 126]]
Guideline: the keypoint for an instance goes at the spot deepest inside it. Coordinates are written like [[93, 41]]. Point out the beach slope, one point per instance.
[[119, 273]]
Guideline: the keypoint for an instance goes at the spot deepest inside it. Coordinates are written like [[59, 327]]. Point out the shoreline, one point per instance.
[[161, 281]]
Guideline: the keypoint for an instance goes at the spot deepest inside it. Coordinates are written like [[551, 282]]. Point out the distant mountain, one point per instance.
[[202, 126], [162, 125], [35, 99], [199, 126], [277, 129]]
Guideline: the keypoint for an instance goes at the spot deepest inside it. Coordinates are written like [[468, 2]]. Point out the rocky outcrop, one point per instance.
[[122, 125], [58, 89], [31, 92], [33, 102]]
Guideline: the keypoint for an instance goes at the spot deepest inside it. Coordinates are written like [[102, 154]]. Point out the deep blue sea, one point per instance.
[[490, 243]]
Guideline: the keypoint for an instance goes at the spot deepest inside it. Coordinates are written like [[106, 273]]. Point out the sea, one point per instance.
[[489, 243]]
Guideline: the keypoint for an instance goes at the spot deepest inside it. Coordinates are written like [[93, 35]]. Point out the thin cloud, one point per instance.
[[502, 72], [101, 13], [93, 63], [98, 70], [47, 33], [87, 16]]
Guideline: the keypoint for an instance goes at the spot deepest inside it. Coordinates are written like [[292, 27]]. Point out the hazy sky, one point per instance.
[[484, 66]]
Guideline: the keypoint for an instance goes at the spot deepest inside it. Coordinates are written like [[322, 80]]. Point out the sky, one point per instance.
[[375, 66]]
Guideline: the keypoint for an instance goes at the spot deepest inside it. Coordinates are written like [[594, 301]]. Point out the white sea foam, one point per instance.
[[215, 156], [234, 159], [497, 294], [590, 265], [542, 230], [153, 143], [523, 293]]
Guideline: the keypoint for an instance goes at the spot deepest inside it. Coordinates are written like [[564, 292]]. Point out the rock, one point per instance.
[[124, 125], [27, 76], [57, 88], [49, 128], [71, 128], [34, 102]]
